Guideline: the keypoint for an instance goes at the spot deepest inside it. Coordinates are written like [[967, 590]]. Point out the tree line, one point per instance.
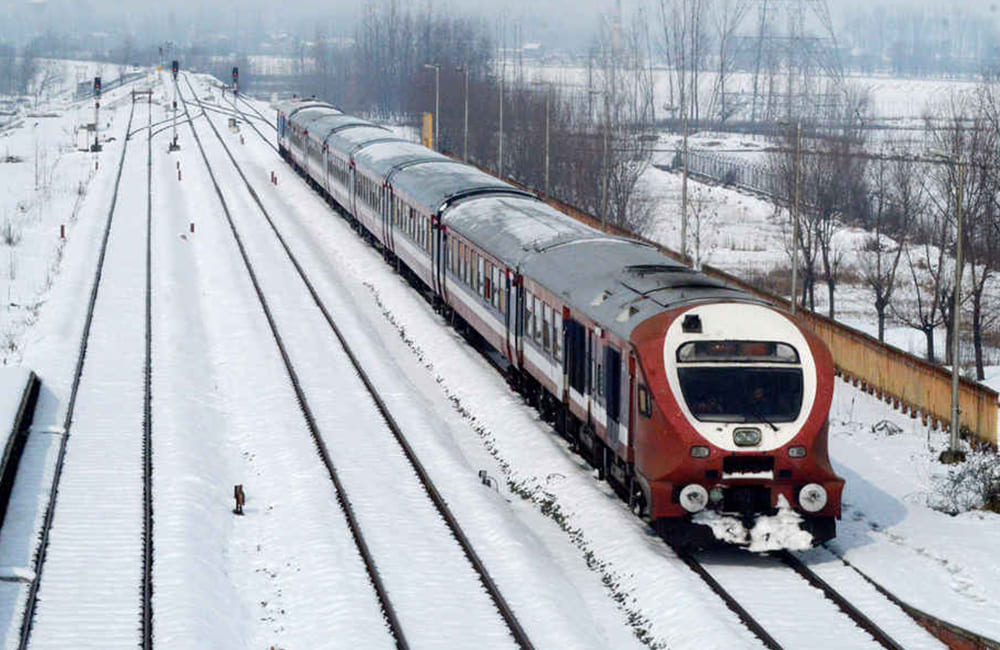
[[907, 197]]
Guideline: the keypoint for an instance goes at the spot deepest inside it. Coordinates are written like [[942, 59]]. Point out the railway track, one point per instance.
[[899, 610], [86, 479], [510, 623], [846, 610], [818, 609]]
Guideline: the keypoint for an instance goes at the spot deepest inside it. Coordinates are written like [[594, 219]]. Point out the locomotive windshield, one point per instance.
[[742, 394]]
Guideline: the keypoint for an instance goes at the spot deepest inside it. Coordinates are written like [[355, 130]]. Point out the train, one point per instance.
[[696, 401]]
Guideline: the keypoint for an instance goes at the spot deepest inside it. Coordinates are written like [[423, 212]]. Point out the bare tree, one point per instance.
[[727, 18], [897, 197]]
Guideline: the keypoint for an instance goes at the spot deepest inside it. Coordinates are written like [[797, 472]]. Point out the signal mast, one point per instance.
[[97, 114], [174, 67]]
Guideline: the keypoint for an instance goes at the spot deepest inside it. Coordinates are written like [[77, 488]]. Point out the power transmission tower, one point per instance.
[[792, 47]]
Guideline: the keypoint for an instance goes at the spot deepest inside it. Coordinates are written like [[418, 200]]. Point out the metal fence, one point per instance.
[[733, 171]]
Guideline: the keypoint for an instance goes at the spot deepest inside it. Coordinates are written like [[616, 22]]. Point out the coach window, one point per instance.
[[645, 404], [557, 335], [538, 320], [503, 293], [546, 327], [529, 315], [480, 275], [600, 378], [495, 296]]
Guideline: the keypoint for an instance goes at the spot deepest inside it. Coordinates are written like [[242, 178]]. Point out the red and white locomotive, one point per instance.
[[688, 396]]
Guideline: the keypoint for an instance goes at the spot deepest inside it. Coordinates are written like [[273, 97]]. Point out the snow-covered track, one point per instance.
[[842, 603], [950, 634], [799, 608], [732, 603], [73, 553], [253, 108], [147, 408], [342, 499], [511, 622]]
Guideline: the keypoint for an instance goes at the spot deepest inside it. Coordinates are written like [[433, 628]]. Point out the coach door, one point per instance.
[[576, 363], [437, 236], [510, 321], [612, 391]]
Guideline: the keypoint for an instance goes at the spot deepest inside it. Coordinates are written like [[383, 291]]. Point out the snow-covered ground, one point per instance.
[[577, 566]]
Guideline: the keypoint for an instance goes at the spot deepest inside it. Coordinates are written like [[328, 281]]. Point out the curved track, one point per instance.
[[510, 620]]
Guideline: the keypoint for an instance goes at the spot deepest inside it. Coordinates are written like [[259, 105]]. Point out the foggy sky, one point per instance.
[[558, 21]]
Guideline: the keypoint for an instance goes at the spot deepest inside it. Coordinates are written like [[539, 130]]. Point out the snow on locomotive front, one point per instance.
[[731, 441]]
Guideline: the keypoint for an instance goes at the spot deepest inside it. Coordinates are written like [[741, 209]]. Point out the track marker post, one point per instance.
[[240, 498]]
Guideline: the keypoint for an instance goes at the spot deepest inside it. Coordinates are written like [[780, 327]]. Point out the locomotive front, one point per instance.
[[732, 441]]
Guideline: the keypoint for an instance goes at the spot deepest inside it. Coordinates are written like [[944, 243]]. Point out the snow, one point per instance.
[[576, 566], [768, 533]]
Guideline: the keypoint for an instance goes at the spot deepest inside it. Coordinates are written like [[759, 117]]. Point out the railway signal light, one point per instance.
[[174, 66], [97, 86], [236, 75]]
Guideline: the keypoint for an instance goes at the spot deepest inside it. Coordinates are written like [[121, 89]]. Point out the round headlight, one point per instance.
[[812, 497], [694, 498]]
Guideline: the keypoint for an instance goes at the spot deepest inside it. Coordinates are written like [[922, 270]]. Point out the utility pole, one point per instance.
[[465, 127], [953, 454], [684, 187], [795, 216], [500, 148], [547, 94], [546, 141]]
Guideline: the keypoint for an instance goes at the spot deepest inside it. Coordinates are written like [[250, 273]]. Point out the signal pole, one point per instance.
[[174, 67], [97, 114]]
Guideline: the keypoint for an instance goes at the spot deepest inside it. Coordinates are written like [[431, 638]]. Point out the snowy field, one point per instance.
[[576, 565]]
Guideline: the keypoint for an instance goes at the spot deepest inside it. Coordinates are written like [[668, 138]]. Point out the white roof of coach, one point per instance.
[[433, 184], [380, 158], [512, 227], [347, 140]]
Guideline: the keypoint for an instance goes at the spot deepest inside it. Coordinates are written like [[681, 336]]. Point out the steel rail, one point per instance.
[[343, 500], [147, 408], [734, 605], [31, 603], [860, 619], [947, 632], [486, 580]]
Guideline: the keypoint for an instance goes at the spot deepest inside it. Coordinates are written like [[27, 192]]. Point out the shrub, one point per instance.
[[973, 484]]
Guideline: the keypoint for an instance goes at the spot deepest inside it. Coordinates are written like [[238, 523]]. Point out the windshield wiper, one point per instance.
[[756, 411]]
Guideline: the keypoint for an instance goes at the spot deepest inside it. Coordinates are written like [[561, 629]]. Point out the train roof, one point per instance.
[[379, 159], [290, 106], [622, 282], [613, 280], [349, 139], [511, 227], [431, 185], [323, 125]]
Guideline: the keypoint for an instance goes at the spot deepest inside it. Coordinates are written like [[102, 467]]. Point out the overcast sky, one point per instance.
[[541, 19]]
